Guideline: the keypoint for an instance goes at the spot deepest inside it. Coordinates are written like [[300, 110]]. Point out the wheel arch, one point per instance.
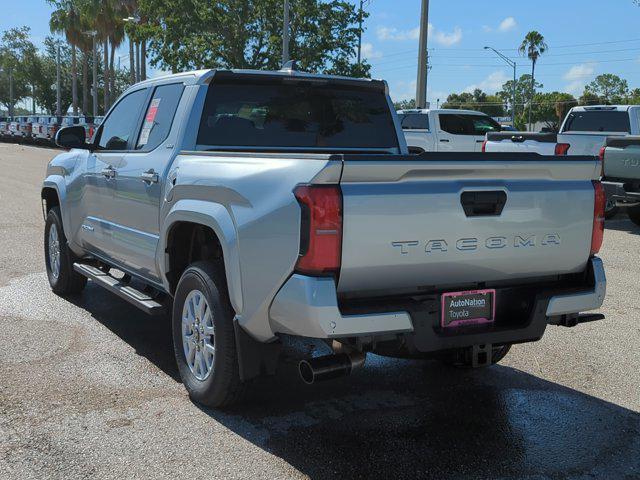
[[189, 223]]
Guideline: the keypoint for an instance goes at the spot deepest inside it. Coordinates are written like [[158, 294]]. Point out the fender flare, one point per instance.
[[57, 183], [216, 217]]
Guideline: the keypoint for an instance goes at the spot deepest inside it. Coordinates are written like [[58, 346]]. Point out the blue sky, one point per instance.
[[586, 38]]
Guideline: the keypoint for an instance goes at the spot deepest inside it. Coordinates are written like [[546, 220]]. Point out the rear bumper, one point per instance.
[[308, 307], [616, 191]]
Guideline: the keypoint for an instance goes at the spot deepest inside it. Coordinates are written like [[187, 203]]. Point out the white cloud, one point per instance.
[[446, 39], [578, 76], [507, 24], [390, 33], [369, 52], [402, 90], [492, 83]]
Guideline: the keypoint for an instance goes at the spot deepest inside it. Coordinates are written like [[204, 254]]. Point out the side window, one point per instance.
[[415, 122], [159, 116], [483, 125], [121, 123], [456, 124]]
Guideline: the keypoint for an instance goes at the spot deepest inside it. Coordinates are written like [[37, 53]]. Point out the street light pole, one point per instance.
[[360, 32], [514, 66], [421, 84], [11, 92], [285, 34]]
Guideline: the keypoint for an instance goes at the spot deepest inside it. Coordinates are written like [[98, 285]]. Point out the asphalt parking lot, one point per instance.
[[89, 389]]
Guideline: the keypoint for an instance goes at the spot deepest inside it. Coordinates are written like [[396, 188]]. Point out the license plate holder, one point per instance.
[[473, 307]]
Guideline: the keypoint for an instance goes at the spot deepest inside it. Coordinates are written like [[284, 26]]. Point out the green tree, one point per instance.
[[533, 46], [477, 100], [551, 108], [524, 91], [405, 104], [17, 54], [609, 88], [634, 97], [589, 98], [187, 34]]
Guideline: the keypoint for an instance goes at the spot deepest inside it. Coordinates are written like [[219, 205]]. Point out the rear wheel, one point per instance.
[[59, 258], [463, 357], [204, 338], [634, 214]]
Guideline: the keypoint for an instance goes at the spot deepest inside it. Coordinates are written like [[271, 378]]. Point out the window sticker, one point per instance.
[[149, 122]]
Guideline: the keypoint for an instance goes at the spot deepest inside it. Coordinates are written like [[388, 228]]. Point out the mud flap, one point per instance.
[[255, 358]]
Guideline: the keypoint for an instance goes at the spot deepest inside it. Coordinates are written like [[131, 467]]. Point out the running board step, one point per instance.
[[140, 299]]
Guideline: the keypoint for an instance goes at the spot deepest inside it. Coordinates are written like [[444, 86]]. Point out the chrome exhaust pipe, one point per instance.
[[330, 366]]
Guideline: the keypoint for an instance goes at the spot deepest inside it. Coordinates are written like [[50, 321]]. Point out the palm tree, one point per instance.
[[66, 20], [533, 46]]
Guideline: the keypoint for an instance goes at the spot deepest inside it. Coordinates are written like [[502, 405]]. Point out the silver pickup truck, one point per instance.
[[254, 207]]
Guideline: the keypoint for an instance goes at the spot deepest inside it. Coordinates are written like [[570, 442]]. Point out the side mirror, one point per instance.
[[72, 137]]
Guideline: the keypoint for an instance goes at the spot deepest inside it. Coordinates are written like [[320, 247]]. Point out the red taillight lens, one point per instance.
[[484, 146], [601, 157], [600, 202], [321, 230], [562, 148]]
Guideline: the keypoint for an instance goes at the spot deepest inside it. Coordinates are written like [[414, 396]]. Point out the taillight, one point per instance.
[[601, 157], [321, 229], [484, 146], [562, 148], [600, 203]]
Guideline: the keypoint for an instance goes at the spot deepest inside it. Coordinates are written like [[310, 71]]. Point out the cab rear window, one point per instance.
[[300, 115], [598, 121]]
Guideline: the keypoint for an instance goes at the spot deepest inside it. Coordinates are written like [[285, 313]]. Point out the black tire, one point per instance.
[[462, 358], [67, 281], [222, 387], [634, 214]]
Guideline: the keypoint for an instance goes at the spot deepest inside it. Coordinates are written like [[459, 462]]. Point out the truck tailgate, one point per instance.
[[622, 158], [450, 220]]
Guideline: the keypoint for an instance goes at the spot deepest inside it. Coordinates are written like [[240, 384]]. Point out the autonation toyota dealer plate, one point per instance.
[[468, 308]]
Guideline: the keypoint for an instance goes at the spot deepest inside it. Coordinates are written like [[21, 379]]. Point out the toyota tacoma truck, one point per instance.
[[621, 173], [256, 207]]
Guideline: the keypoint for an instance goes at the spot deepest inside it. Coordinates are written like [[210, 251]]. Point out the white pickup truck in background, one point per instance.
[[583, 132], [445, 130]]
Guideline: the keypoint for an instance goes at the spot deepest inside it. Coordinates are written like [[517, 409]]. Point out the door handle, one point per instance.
[[479, 141], [150, 176], [109, 172], [444, 141]]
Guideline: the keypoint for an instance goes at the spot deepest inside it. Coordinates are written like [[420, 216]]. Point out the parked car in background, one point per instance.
[[257, 206], [621, 173], [40, 129], [445, 130], [14, 128], [26, 126], [583, 132], [4, 127]]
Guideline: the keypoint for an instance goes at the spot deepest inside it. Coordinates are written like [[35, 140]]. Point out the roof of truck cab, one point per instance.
[[425, 111], [201, 77], [611, 108]]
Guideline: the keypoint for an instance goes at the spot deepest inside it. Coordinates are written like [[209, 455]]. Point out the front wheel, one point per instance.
[[64, 280], [204, 338]]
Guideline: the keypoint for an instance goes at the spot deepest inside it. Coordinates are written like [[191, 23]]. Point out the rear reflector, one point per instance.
[[603, 150], [600, 202], [321, 229], [562, 148], [484, 146]]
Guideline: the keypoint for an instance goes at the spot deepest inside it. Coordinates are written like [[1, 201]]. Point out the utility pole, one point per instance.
[[285, 34], [58, 93], [423, 59], [137, 61], [360, 32], [514, 66]]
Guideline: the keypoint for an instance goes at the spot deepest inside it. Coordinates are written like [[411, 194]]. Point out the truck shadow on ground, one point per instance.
[[411, 419], [622, 223]]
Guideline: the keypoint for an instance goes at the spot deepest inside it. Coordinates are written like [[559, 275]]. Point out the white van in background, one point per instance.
[[445, 130]]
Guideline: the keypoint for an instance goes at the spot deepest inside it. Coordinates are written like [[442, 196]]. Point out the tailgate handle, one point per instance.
[[483, 204]]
